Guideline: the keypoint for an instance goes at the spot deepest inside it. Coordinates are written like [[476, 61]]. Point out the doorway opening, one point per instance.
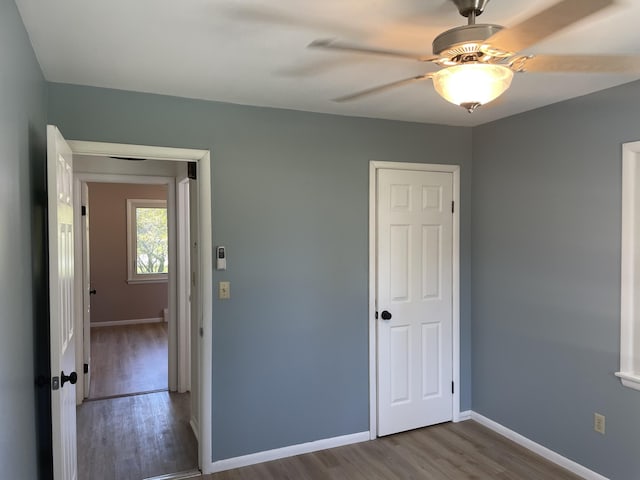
[[178, 411], [125, 255]]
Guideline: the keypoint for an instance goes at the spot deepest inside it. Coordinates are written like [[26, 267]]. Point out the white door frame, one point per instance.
[[205, 271], [183, 285], [374, 166]]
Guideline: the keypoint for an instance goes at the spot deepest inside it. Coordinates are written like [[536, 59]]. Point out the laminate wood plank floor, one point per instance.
[[128, 359], [135, 437], [451, 451]]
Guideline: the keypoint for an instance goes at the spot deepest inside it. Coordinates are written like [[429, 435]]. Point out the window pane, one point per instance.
[[152, 246]]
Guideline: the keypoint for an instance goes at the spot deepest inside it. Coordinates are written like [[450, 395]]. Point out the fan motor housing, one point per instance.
[[466, 7], [465, 40]]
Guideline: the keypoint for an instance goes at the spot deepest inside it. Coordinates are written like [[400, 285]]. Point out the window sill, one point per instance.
[[147, 280], [629, 379]]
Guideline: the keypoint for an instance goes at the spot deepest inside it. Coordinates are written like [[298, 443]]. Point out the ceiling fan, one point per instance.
[[477, 61]]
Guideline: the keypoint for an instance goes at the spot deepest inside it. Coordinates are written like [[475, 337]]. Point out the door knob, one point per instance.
[[386, 315], [92, 291], [72, 378]]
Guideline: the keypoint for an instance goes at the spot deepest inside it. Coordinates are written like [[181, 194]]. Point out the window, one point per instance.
[[147, 241]]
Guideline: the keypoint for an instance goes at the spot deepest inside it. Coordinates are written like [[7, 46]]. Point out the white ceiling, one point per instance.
[[253, 51]]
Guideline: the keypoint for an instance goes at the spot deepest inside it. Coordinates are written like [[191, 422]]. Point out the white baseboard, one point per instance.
[[462, 416], [177, 476], [135, 321], [324, 444], [195, 427], [537, 448], [284, 452]]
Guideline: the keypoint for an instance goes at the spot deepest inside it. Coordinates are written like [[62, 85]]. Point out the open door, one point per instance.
[[61, 305]]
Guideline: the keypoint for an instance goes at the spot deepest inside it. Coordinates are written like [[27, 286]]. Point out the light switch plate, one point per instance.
[[224, 290]]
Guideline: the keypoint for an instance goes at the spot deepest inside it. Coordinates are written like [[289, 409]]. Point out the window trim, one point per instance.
[[132, 276], [629, 373]]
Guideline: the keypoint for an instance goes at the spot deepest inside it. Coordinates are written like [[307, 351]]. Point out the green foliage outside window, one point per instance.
[[152, 245]]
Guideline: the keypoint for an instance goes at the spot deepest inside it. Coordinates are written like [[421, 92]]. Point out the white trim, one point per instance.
[[629, 380], [205, 306], [148, 280], [205, 301], [373, 306], [195, 427], [374, 166], [544, 452], [101, 149], [290, 451], [79, 290], [464, 416], [133, 321], [183, 286], [123, 178], [177, 476], [629, 373]]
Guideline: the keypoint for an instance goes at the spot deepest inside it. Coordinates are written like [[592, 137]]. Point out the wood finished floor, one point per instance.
[[451, 451], [128, 359], [135, 437]]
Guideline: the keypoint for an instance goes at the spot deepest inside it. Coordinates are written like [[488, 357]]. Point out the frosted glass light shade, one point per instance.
[[472, 84]]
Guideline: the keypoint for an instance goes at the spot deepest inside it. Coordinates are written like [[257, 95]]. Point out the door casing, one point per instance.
[[204, 280], [374, 166]]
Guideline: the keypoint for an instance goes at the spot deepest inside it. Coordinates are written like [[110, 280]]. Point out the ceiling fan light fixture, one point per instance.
[[473, 84]]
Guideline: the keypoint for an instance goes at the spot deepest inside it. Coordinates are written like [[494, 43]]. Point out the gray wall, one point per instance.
[[546, 277], [22, 121], [290, 203]]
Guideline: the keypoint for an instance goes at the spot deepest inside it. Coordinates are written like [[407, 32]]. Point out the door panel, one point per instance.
[[430, 266], [400, 350], [400, 237], [431, 362], [61, 304], [414, 284]]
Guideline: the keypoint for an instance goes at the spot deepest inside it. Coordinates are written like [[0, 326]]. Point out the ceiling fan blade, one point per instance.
[[544, 24], [583, 64], [382, 88], [347, 47]]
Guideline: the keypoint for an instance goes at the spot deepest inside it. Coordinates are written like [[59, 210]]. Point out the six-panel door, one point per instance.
[[414, 284]]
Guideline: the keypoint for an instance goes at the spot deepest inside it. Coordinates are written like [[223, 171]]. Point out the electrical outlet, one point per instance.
[[598, 423]]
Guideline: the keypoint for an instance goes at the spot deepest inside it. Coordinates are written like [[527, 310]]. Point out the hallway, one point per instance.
[[128, 359], [135, 437]]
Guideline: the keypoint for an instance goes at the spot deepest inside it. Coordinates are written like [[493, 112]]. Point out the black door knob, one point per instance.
[[72, 378], [92, 292], [386, 315]]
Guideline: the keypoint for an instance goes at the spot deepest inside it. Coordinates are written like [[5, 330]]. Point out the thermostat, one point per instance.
[[221, 258]]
